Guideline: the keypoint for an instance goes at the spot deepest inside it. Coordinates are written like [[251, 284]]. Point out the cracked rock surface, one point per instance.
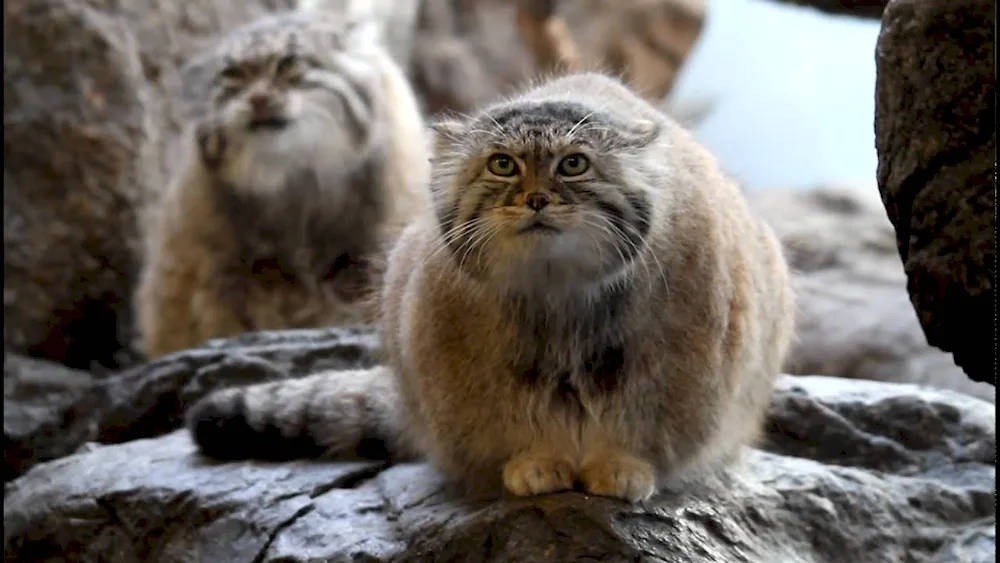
[[849, 471]]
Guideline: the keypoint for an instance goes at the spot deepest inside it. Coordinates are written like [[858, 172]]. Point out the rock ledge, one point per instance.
[[851, 471]]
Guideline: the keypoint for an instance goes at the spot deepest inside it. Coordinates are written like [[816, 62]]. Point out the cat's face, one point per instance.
[[286, 92], [533, 194]]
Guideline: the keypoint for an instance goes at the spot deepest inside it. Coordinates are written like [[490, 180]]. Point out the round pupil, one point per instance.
[[503, 164], [286, 64], [573, 162]]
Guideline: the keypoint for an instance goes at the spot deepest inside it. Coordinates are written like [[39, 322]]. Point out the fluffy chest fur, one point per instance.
[[573, 349], [299, 233], [568, 356]]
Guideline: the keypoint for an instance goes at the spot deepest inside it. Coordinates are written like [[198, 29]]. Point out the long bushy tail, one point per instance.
[[336, 414]]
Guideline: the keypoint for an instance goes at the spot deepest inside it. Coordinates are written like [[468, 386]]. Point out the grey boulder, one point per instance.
[[935, 131]]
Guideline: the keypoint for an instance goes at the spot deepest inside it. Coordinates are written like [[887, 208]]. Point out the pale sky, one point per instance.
[[793, 91]]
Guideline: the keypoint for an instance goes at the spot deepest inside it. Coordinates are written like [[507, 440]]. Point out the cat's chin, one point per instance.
[[538, 226], [551, 278]]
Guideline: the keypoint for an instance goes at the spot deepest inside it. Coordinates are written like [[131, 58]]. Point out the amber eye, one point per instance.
[[233, 77], [502, 165], [289, 66], [573, 165]]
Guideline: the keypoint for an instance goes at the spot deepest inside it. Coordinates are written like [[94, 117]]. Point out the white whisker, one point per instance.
[[578, 124]]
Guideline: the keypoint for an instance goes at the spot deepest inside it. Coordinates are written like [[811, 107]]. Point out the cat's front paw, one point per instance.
[[619, 475], [531, 474]]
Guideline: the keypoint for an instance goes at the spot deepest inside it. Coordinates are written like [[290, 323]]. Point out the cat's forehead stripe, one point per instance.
[[278, 37], [541, 115], [258, 46]]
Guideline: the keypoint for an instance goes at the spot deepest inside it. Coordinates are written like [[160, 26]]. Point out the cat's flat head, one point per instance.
[[544, 195], [282, 94]]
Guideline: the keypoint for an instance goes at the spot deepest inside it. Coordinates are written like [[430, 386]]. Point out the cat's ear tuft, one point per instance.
[[362, 33]]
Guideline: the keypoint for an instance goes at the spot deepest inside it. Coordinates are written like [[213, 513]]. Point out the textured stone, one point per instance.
[[935, 131], [854, 316], [40, 400], [854, 472], [50, 411], [76, 144]]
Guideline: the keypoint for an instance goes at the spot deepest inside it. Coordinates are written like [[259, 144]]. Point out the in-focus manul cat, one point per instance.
[[588, 302], [307, 156]]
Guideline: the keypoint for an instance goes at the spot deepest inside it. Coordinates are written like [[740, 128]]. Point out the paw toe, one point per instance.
[[528, 476], [624, 477]]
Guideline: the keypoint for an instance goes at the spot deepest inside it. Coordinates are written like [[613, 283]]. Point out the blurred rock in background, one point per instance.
[[854, 316], [469, 51]]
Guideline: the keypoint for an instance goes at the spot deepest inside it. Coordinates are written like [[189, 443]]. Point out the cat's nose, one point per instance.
[[538, 200], [260, 103]]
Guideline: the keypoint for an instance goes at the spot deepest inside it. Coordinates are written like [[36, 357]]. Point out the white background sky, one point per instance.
[[793, 91]]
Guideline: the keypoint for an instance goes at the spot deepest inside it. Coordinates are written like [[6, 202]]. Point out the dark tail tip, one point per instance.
[[222, 430]]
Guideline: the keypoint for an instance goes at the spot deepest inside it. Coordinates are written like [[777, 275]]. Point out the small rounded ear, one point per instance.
[[446, 132], [197, 80], [447, 128], [641, 132]]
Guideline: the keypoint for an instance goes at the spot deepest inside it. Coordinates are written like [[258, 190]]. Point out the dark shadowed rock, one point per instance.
[[40, 399], [77, 143], [854, 315], [855, 472], [859, 8], [935, 125], [50, 411]]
